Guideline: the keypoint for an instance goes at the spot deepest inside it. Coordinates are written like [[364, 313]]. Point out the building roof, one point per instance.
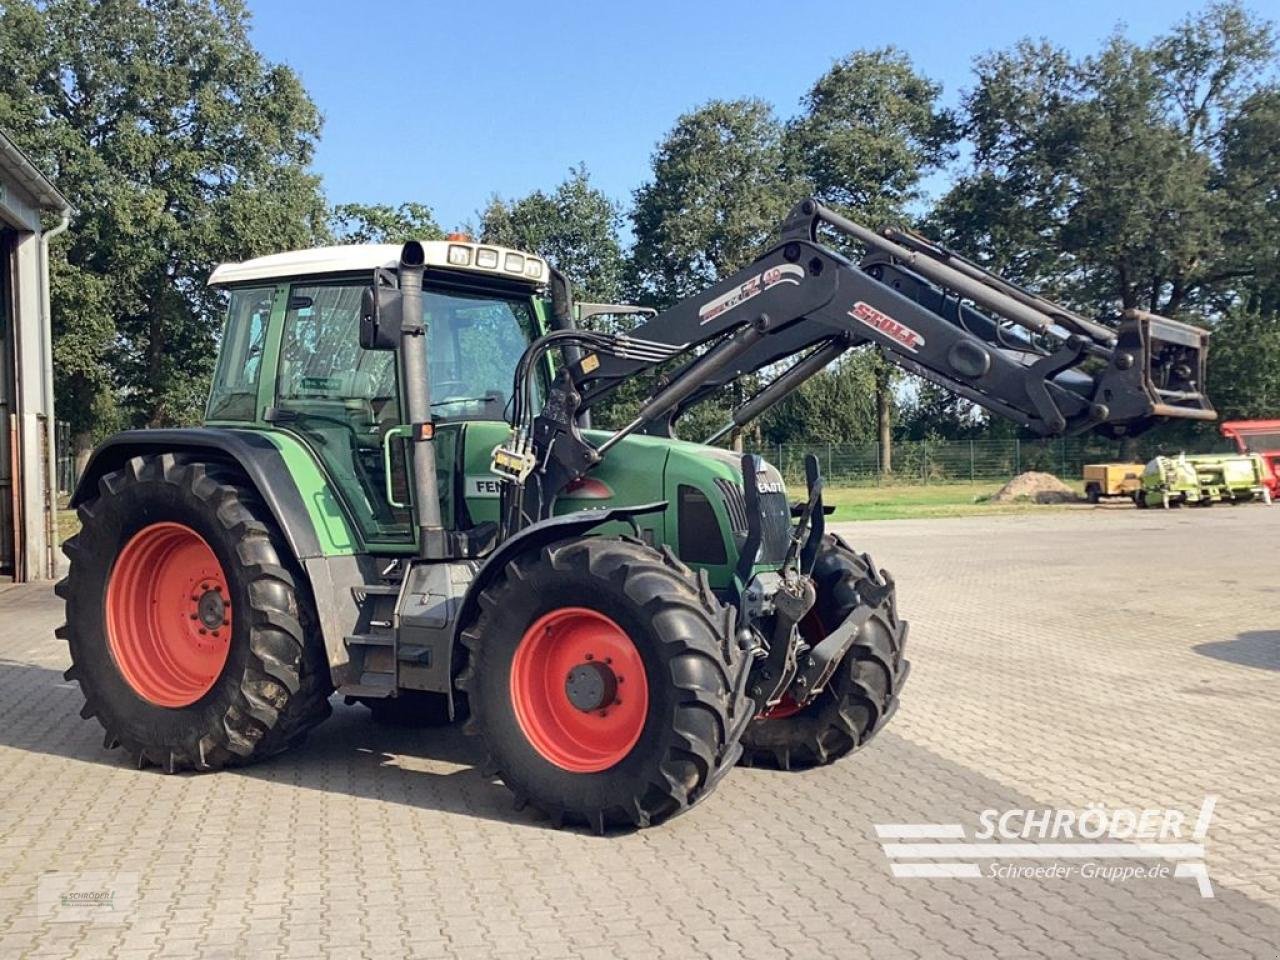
[[18, 166], [359, 258]]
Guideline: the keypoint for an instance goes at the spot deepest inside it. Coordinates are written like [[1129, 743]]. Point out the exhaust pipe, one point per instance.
[[417, 394]]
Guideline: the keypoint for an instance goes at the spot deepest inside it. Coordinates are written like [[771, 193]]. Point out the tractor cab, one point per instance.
[[292, 360]]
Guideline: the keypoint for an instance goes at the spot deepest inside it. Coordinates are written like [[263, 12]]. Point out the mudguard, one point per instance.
[[253, 453]]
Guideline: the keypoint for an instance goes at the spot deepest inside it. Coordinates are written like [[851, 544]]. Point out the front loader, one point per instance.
[[396, 495]]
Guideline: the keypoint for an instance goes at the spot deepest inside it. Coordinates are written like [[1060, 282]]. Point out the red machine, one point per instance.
[[1263, 438]]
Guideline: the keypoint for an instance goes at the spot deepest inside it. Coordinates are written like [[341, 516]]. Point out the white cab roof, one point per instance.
[[360, 258]]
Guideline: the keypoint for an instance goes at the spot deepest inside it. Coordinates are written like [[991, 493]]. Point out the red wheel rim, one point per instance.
[[558, 654], [168, 615]]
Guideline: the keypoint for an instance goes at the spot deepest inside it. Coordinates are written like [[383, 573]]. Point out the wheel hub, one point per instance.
[[211, 609], [591, 685]]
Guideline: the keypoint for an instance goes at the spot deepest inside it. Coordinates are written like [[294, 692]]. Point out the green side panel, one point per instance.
[[638, 470], [332, 528]]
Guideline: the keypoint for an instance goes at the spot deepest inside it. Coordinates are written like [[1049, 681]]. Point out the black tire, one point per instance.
[[863, 692], [1093, 493], [275, 684], [412, 708], [683, 635]]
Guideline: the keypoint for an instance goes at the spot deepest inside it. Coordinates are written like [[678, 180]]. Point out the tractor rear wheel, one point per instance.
[[862, 694], [187, 619], [601, 676]]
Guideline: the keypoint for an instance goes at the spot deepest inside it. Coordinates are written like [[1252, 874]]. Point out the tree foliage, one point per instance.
[[383, 223], [1123, 178], [1135, 175], [718, 188], [180, 146], [574, 227], [870, 130], [1140, 176]]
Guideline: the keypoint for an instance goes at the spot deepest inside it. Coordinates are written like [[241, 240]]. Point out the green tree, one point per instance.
[[575, 228], [1244, 364], [1132, 172], [718, 190], [180, 146], [1142, 176], [837, 406], [869, 131], [934, 411], [383, 223]]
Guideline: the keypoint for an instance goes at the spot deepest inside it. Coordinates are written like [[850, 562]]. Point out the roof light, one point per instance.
[[459, 256], [458, 237], [533, 269], [486, 258], [514, 263]]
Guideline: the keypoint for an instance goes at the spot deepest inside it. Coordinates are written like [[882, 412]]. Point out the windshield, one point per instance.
[[473, 346]]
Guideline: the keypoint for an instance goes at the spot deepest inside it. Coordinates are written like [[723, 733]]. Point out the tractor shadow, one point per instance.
[[1254, 648], [432, 768], [435, 768]]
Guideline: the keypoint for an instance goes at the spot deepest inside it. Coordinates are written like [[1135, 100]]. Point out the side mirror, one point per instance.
[[381, 312]]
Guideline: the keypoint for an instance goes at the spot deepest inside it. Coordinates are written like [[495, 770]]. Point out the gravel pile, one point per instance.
[[1033, 487]]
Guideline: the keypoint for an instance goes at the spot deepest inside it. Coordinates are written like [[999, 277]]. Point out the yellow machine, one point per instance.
[[1112, 480]]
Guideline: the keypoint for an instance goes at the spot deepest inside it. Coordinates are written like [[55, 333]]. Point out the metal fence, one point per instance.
[[952, 461], [914, 461], [65, 457]]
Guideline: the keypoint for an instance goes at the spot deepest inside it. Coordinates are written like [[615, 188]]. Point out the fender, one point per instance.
[[253, 453], [534, 537]]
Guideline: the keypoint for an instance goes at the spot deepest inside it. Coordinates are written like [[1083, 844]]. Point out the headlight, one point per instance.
[[533, 269], [514, 263], [488, 259], [459, 256]]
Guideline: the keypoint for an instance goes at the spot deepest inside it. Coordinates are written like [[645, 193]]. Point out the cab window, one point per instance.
[[234, 395]]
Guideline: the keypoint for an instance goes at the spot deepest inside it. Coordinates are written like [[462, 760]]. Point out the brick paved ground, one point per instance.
[[1049, 670]]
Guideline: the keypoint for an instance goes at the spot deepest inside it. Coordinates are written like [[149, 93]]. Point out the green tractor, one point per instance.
[[397, 495]]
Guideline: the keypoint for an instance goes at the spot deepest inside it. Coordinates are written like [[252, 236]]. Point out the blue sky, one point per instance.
[[449, 103]]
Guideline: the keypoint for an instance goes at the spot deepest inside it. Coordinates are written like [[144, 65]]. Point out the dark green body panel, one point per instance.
[[640, 469]]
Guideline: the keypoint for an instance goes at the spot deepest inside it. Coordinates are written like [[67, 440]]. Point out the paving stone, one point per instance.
[[1056, 663]]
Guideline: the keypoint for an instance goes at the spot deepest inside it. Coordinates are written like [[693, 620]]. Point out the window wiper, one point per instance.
[[445, 403]]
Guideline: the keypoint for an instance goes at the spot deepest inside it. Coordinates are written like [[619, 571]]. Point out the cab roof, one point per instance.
[[464, 256]]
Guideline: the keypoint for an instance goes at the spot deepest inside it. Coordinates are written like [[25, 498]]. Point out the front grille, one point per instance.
[[736, 505], [775, 519], [775, 533]]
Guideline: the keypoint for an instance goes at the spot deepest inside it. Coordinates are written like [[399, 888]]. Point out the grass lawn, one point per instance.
[[901, 501], [890, 502]]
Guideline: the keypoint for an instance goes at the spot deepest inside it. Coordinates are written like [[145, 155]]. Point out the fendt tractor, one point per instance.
[[397, 495]]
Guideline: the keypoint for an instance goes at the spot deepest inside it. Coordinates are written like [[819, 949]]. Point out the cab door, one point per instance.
[[345, 402]]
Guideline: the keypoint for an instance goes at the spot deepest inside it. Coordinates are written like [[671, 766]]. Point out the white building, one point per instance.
[[28, 485]]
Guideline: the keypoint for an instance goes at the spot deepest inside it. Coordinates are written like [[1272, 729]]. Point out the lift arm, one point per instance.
[[930, 311], [943, 318]]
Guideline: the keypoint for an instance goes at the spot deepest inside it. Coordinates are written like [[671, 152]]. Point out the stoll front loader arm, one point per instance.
[[929, 310]]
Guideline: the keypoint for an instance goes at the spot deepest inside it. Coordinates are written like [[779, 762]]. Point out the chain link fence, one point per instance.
[[957, 461]]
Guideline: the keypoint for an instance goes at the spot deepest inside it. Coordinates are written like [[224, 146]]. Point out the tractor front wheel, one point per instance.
[[863, 692], [187, 619], [601, 676]]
